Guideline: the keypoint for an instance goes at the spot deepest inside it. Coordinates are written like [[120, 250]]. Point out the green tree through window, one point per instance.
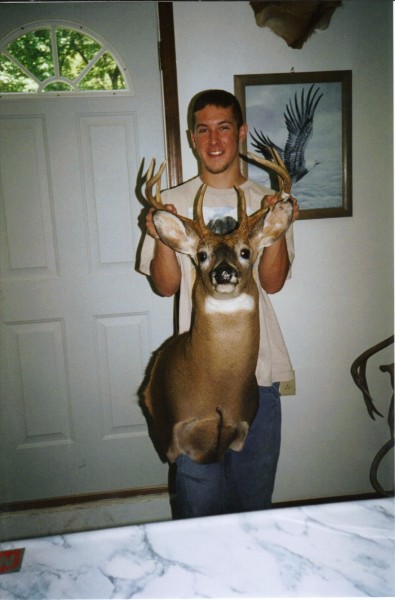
[[58, 59]]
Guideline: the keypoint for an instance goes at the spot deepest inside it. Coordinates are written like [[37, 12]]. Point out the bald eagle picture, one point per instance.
[[298, 115], [309, 124]]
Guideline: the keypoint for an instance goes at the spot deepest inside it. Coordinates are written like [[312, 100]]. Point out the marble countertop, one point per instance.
[[344, 549]]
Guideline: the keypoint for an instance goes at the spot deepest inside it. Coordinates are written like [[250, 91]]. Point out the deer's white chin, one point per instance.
[[225, 288]]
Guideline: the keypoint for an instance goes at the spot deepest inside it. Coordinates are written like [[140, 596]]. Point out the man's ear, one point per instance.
[[191, 136], [243, 132]]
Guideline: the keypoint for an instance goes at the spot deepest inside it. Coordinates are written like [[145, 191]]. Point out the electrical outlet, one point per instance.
[[288, 388]]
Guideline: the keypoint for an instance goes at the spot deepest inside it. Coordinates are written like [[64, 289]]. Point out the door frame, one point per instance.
[[167, 53]]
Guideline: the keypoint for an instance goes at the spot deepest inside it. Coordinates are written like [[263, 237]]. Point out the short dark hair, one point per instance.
[[220, 98]]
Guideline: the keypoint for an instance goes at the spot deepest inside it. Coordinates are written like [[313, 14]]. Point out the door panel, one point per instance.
[[109, 157], [39, 379], [27, 227], [78, 323]]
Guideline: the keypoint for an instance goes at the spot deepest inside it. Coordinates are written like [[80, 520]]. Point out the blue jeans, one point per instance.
[[242, 481]]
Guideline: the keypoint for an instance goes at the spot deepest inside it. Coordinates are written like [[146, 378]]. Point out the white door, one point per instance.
[[78, 323]]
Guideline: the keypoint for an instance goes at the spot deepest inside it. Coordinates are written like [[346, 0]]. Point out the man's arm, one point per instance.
[[164, 268], [274, 266]]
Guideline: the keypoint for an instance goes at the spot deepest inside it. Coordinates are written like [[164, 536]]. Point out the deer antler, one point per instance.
[[199, 208], [155, 200], [199, 225], [277, 165], [151, 181], [243, 218]]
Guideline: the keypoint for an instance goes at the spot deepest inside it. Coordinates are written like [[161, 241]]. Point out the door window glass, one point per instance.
[[56, 60]]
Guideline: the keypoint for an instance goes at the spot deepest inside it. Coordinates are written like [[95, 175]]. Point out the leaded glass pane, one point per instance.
[[34, 52], [58, 86], [104, 75], [12, 79], [75, 51]]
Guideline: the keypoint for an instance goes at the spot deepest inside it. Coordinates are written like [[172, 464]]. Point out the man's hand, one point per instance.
[[149, 222], [274, 263], [164, 268]]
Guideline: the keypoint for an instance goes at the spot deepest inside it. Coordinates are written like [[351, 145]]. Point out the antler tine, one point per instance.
[[243, 210], [276, 165], [199, 207], [284, 184], [156, 201], [151, 181]]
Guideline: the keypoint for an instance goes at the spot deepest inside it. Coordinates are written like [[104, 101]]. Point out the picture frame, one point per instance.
[[308, 118]]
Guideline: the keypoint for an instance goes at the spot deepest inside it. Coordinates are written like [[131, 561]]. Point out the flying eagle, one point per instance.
[[299, 121]]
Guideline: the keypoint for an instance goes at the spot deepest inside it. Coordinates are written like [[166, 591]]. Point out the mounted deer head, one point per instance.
[[202, 393]]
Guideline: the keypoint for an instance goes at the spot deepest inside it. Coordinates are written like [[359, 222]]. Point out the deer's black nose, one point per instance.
[[223, 273]]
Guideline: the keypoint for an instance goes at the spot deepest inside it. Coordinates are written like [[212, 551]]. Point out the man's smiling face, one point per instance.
[[216, 138]]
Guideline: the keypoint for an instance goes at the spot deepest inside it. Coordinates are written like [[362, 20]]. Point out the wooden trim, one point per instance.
[[167, 51], [81, 499], [124, 494]]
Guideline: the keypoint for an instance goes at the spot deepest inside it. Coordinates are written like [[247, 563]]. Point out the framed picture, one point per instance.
[[307, 118]]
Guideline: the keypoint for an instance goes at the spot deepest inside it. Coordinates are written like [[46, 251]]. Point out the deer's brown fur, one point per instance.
[[202, 393]]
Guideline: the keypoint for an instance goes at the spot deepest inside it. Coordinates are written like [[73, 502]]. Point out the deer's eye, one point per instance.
[[202, 256], [245, 253]]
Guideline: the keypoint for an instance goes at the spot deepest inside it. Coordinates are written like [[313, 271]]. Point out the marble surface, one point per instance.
[[345, 549]]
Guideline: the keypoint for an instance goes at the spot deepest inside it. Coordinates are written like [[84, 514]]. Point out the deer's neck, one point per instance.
[[230, 325]]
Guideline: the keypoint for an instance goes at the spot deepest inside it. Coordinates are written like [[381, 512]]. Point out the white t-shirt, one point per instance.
[[273, 361]]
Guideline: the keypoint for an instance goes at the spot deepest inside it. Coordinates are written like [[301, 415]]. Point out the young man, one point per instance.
[[244, 480]]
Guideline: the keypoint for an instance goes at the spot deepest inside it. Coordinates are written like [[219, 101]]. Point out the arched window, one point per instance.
[[60, 59]]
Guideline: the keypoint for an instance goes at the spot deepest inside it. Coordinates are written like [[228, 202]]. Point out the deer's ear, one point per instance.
[[176, 233], [257, 228], [266, 228]]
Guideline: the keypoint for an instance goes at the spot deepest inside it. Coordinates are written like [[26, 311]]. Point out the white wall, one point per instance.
[[339, 300]]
